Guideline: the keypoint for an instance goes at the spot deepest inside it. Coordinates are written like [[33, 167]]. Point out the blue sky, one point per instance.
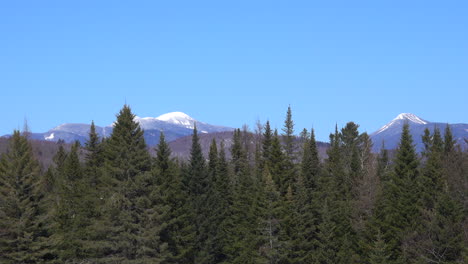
[[233, 62]]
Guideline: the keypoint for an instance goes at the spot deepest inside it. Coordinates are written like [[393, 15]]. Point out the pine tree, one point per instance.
[[243, 236], [449, 141], [306, 204], [289, 174], [199, 187], [72, 210], [222, 208], [278, 167], [94, 157], [266, 145], [176, 228], [310, 164], [126, 159], [20, 225], [379, 252], [396, 210], [335, 189], [437, 237], [270, 222], [125, 151], [288, 135]]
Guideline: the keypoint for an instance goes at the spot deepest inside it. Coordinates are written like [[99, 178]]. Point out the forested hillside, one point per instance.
[[267, 198]]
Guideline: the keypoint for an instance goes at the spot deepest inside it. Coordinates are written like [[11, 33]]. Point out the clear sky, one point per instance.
[[233, 62]]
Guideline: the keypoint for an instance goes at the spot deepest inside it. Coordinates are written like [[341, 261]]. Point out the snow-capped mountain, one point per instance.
[[174, 125], [390, 133]]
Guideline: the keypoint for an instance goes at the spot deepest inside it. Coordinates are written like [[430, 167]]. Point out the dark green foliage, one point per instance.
[[270, 222], [396, 210], [278, 167], [437, 237], [94, 157], [288, 135], [449, 141], [110, 202], [266, 145], [243, 236], [334, 231], [289, 146], [20, 225], [126, 160], [125, 151], [221, 201], [176, 230]]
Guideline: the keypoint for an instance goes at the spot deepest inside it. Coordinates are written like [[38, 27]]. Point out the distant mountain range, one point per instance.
[[390, 133], [174, 125], [177, 126]]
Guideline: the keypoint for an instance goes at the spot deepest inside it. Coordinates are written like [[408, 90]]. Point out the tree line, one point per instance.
[[278, 203]]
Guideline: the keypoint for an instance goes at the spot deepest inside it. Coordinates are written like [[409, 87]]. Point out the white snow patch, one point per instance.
[[50, 137], [203, 131], [411, 117], [403, 116], [177, 118]]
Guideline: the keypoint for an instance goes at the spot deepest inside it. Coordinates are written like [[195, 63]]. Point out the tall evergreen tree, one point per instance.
[[306, 203], [93, 157], [244, 234], [437, 237], [266, 145], [336, 212], [288, 135], [278, 167], [176, 228], [396, 210], [199, 187], [222, 208], [20, 225], [290, 170], [126, 158], [73, 211], [125, 151]]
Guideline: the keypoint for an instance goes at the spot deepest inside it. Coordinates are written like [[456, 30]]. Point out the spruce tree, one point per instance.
[[290, 172], [20, 225], [335, 189], [199, 187], [288, 135], [222, 208], [126, 158], [176, 227], [73, 210], [437, 237], [306, 203], [266, 145], [270, 219], [244, 239], [396, 210], [278, 167], [125, 151], [93, 157]]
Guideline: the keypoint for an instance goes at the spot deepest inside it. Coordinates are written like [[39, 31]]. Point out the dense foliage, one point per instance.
[[111, 202]]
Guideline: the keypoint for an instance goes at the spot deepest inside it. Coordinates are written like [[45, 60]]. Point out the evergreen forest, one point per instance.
[[111, 201]]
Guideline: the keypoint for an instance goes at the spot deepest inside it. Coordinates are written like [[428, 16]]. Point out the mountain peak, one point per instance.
[[178, 118], [405, 117], [412, 118]]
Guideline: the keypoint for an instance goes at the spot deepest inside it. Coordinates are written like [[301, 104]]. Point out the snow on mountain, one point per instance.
[[174, 125], [390, 133], [405, 117], [411, 117], [178, 118]]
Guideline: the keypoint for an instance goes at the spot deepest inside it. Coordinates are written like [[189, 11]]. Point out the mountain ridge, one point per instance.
[[390, 133], [173, 124]]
